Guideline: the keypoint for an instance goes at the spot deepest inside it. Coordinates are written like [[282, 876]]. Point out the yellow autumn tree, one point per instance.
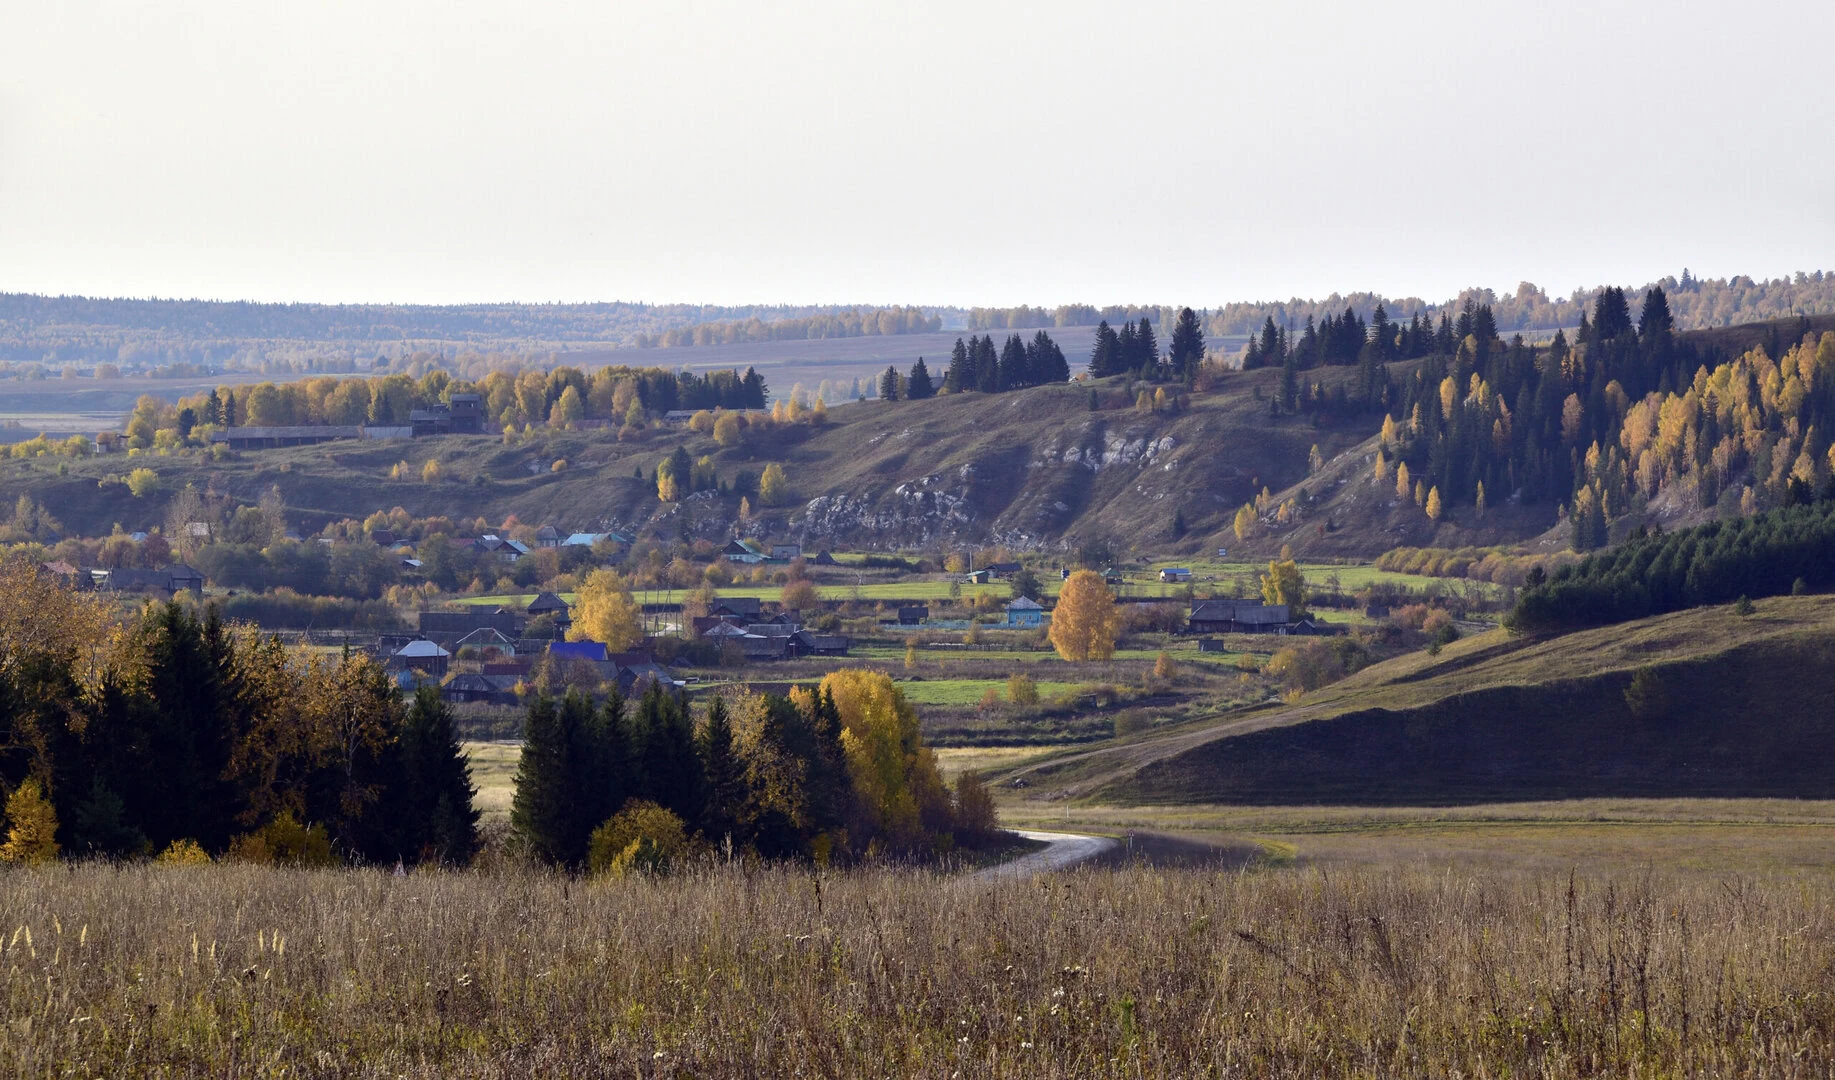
[[31, 826], [1244, 525], [1404, 487], [773, 486], [569, 409], [1085, 623], [1381, 476], [1284, 584], [604, 611], [1433, 503], [894, 774]]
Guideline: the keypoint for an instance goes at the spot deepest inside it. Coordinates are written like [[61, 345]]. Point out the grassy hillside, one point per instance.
[[1034, 468], [1029, 468], [1495, 718]]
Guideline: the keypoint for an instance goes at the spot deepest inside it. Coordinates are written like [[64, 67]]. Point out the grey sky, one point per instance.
[[973, 153]]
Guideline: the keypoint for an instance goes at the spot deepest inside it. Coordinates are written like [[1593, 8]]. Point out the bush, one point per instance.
[[643, 836], [1647, 697], [1022, 689], [976, 819], [284, 842], [184, 853], [142, 482]]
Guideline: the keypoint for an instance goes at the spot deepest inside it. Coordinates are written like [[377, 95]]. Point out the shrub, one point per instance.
[[184, 852], [643, 836], [142, 482], [1647, 697], [976, 819], [284, 842], [1022, 689]]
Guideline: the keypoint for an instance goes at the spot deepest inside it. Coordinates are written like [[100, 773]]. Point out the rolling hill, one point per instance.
[[1733, 706]]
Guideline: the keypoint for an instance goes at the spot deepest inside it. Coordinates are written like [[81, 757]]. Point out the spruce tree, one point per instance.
[[918, 386], [961, 373], [1146, 350], [888, 384], [438, 821], [987, 366], [542, 812], [1046, 361], [1105, 358], [1187, 345], [725, 773], [668, 767], [1013, 374]]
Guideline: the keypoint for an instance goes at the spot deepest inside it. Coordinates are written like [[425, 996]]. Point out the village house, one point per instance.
[[1237, 617], [1025, 612]]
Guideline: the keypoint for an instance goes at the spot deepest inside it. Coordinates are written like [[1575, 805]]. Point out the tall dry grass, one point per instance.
[[735, 971]]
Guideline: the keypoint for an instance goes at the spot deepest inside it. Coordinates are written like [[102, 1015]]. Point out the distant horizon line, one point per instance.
[[857, 305]]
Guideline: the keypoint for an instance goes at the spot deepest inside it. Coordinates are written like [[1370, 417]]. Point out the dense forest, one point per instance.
[[178, 729], [1790, 549]]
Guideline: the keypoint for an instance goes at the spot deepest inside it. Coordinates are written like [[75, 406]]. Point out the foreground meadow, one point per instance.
[[738, 971]]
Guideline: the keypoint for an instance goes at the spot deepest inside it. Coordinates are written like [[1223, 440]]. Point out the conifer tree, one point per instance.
[[1187, 345], [1105, 356], [918, 386], [961, 373], [434, 793], [1013, 374], [545, 812], [1146, 350], [725, 773], [888, 384], [668, 769], [987, 366]]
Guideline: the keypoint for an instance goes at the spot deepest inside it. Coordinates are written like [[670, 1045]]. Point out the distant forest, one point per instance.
[[206, 334], [1694, 304], [42, 336]]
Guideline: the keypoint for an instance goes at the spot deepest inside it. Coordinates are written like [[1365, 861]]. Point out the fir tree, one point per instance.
[[1105, 356], [1013, 374], [725, 772], [437, 819], [1187, 345], [888, 384], [961, 373], [918, 386]]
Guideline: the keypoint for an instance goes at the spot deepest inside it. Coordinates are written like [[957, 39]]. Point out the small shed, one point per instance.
[[913, 614], [1175, 574]]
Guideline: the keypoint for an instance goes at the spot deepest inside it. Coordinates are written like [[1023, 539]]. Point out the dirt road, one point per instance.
[[1062, 851]]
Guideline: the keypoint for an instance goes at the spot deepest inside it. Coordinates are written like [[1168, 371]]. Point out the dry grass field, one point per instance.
[[735, 971]]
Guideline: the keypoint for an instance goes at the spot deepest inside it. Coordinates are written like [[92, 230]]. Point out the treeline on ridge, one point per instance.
[[1774, 553], [856, 322]]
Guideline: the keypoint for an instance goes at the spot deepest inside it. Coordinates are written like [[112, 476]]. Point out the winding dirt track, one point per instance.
[[1062, 851]]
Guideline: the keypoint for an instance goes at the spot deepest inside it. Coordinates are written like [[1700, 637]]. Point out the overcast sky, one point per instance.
[[948, 153]]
